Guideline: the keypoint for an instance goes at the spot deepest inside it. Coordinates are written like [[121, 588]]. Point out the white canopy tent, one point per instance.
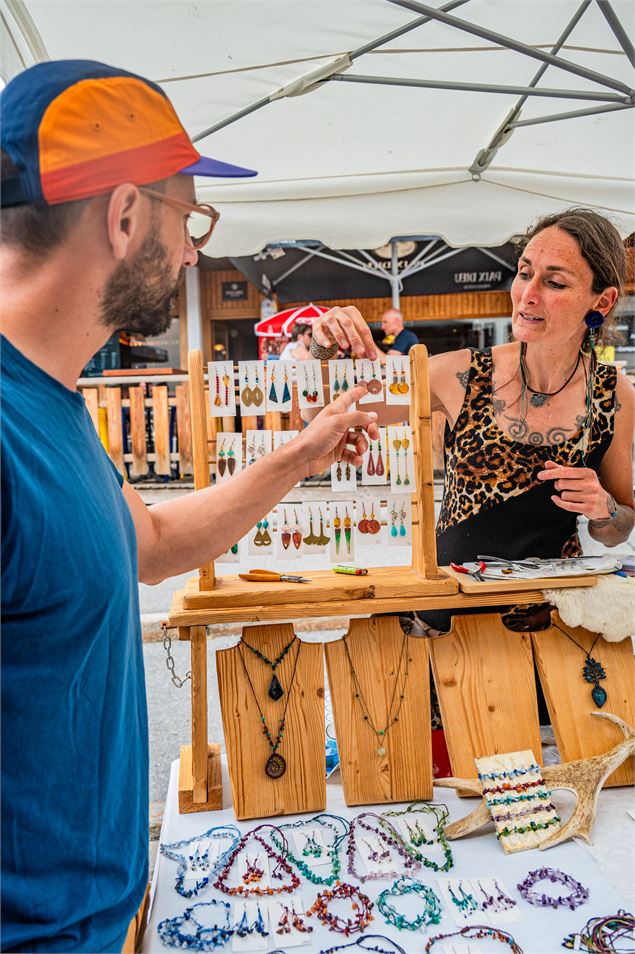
[[374, 119]]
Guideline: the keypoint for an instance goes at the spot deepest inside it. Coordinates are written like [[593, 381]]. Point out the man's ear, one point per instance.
[[123, 219]]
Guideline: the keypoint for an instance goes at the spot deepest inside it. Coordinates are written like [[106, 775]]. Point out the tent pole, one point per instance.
[[394, 273], [618, 29]]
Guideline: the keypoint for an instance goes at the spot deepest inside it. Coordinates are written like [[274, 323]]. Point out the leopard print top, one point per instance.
[[486, 468]]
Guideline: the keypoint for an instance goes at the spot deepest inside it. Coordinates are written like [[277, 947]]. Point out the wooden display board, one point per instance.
[[303, 786], [404, 773], [568, 695], [484, 677]]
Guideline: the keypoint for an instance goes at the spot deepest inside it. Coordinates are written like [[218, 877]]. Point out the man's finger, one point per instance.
[[344, 400]]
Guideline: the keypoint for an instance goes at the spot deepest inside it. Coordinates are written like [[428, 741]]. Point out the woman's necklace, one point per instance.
[[275, 766], [539, 398], [592, 671], [315, 850], [390, 720], [275, 690]]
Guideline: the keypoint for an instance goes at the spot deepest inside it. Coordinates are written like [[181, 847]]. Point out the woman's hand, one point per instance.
[[334, 434], [345, 327], [579, 490]]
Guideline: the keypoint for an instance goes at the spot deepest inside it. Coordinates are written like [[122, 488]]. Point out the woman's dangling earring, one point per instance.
[[593, 320]]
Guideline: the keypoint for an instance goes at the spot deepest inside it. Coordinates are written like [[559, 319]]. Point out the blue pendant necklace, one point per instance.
[[592, 671]]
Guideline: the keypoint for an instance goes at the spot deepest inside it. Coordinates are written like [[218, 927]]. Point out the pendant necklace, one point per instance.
[[275, 690], [539, 398], [275, 766], [592, 671], [390, 719]]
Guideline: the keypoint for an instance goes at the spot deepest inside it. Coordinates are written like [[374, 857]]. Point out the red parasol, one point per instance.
[[280, 324]]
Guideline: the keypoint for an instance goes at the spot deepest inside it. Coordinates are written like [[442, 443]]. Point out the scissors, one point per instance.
[[268, 576], [477, 574]]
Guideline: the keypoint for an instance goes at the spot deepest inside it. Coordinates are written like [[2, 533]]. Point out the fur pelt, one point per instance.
[[607, 608]]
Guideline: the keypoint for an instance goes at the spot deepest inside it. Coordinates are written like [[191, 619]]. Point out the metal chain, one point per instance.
[[169, 661]]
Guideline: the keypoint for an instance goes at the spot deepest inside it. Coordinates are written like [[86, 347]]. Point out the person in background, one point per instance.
[[298, 349], [397, 339]]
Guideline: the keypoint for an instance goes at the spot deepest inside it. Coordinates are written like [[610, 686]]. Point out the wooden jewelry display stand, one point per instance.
[[560, 663], [404, 772], [484, 672], [302, 788]]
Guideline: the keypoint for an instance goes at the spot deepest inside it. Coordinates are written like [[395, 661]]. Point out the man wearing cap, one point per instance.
[[97, 190]]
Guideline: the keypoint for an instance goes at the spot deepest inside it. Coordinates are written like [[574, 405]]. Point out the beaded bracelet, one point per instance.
[[510, 816], [393, 840], [512, 774], [475, 932], [281, 865], [599, 935], [507, 787], [199, 860], [441, 814], [332, 850], [430, 915], [359, 942], [202, 938], [511, 799], [579, 894], [361, 904], [507, 832]]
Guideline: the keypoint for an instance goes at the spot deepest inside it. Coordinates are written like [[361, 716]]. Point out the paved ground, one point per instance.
[[169, 707]]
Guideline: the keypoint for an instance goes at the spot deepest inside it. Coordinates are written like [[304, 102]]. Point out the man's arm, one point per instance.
[[183, 534]]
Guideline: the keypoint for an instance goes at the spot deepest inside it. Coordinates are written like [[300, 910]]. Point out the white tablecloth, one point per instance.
[[607, 869]]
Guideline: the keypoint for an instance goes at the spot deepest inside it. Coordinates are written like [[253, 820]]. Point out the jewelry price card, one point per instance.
[[251, 385], [315, 521], [341, 377], [230, 556], [375, 461], [290, 534], [397, 379], [252, 926], [288, 922], [484, 900], [402, 464], [369, 373], [343, 477], [341, 515], [229, 454], [283, 437], [368, 521], [257, 444], [399, 521], [260, 537], [279, 374], [310, 386], [222, 393]]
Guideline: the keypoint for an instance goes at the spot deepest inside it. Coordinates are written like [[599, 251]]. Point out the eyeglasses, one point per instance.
[[194, 231]]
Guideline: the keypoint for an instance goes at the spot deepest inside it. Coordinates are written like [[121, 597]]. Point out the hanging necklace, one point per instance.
[[592, 671], [390, 719], [275, 766], [539, 398], [275, 690]]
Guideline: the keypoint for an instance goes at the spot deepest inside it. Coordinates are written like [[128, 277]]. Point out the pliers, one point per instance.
[[477, 574], [268, 576]]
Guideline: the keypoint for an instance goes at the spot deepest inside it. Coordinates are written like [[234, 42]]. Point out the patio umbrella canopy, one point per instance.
[[372, 119], [281, 324]]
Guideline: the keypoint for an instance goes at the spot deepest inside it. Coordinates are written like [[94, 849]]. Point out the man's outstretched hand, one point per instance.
[[336, 433]]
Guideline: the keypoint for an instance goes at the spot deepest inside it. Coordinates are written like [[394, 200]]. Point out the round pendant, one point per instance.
[[537, 400], [374, 386], [381, 751], [275, 766], [403, 388]]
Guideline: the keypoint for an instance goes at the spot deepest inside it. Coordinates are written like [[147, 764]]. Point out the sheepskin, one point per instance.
[[607, 608]]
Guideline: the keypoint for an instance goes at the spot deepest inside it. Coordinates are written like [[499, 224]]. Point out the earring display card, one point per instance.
[[341, 377], [519, 824], [375, 857], [229, 454], [279, 385], [402, 464], [399, 521], [342, 518], [311, 847], [288, 923], [368, 521], [461, 947], [257, 444], [200, 860], [251, 386], [375, 461], [369, 373], [317, 534], [343, 477], [310, 385], [230, 556], [283, 437], [260, 538], [479, 901], [248, 917], [289, 539], [415, 830], [397, 379], [222, 388]]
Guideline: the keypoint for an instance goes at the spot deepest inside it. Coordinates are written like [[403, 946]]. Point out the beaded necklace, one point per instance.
[[360, 903], [275, 766], [187, 861], [512, 774], [332, 850], [507, 787], [517, 798], [390, 719], [509, 816], [441, 815], [275, 690], [196, 936], [281, 865], [579, 894], [476, 931], [507, 832], [431, 914], [389, 836], [599, 935], [359, 942]]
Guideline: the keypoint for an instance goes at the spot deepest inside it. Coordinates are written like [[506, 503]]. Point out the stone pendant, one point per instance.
[[539, 399], [593, 672], [275, 689]]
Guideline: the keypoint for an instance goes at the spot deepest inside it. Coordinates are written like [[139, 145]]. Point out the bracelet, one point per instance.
[[471, 931], [360, 902], [431, 913], [611, 506], [579, 894], [323, 354]]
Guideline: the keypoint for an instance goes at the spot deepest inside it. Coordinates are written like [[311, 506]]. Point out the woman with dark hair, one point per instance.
[[537, 432]]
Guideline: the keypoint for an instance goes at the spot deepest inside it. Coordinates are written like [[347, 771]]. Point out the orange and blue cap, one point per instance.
[[77, 128]]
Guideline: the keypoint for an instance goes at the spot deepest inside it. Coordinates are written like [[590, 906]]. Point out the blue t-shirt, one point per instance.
[[404, 341], [74, 718]]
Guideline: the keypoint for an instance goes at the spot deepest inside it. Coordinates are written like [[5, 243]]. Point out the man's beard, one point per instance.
[[139, 296]]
